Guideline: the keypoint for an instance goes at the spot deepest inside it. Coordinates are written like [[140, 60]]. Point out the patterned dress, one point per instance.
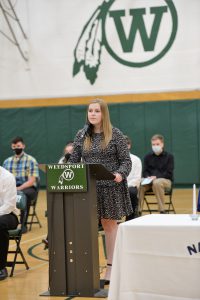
[[113, 200]]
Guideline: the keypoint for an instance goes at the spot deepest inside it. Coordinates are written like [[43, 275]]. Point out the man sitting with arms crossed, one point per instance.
[[25, 169], [158, 172], [8, 216]]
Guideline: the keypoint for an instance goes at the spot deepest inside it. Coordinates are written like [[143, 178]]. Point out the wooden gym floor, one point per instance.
[[29, 284]]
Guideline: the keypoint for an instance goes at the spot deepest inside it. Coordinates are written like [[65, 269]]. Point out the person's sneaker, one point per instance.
[[162, 212], [3, 274]]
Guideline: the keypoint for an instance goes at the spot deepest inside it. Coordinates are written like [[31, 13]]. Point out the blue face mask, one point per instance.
[[157, 149]]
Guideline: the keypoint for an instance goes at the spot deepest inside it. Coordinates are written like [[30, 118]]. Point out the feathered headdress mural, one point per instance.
[[88, 49]]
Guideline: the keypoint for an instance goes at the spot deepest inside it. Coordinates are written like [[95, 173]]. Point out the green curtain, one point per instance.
[[47, 129]]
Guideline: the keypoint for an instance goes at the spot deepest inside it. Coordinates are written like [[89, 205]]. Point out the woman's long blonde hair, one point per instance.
[[106, 125]]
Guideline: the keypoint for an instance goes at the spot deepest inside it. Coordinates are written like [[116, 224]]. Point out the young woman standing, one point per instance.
[[106, 145]]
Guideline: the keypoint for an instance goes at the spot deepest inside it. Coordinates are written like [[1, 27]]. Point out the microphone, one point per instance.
[[86, 130]]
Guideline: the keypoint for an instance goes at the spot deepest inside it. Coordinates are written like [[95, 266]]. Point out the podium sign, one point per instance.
[[66, 178]]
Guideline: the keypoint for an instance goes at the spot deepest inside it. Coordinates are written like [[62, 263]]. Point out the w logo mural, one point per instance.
[[135, 33]]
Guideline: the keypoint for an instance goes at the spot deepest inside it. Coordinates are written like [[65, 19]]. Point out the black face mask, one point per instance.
[[67, 156], [18, 151]]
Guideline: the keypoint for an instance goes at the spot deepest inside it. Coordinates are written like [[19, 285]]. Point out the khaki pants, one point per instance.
[[158, 186]]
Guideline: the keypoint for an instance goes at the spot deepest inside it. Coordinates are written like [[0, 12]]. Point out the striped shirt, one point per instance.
[[22, 167]]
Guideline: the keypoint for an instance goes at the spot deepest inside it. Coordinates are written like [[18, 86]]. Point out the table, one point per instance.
[[157, 257]]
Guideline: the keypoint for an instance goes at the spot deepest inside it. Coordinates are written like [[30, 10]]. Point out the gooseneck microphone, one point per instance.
[[86, 130]]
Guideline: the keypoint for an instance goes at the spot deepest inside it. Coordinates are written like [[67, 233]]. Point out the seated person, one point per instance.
[[8, 216], [25, 169], [66, 152], [158, 168], [133, 180]]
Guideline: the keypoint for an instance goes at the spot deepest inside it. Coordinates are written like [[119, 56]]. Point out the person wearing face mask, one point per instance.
[[157, 172], [66, 152], [24, 167]]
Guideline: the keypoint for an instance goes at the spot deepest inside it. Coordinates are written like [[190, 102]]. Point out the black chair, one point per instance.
[[16, 235], [152, 204], [32, 216]]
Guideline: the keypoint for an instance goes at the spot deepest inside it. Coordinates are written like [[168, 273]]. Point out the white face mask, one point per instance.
[[157, 149]]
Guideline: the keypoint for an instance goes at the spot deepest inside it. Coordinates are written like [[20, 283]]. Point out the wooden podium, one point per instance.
[[73, 229]]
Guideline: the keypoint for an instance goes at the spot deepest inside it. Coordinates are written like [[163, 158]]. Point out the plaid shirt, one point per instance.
[[22, 168]]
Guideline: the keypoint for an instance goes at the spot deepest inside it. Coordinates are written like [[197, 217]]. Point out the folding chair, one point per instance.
[[16, 235], [152, 204], [101, 234], [32, 216]]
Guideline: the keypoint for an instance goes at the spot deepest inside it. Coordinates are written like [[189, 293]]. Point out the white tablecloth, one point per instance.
[[157, 257]]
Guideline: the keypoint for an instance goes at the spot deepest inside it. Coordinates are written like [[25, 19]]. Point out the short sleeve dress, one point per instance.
[[113, 200]]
